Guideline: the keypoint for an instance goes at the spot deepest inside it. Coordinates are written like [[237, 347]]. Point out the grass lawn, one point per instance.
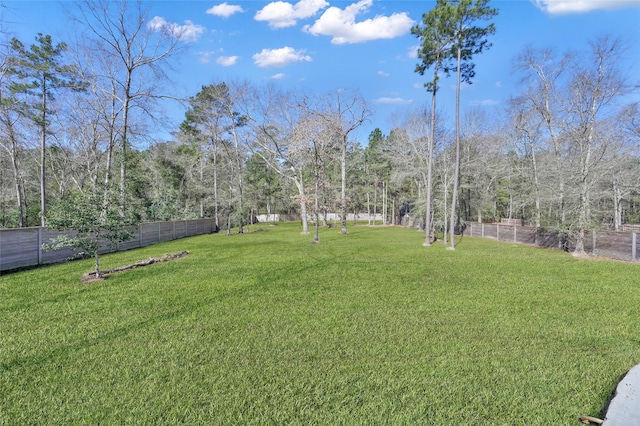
[[371, 328]]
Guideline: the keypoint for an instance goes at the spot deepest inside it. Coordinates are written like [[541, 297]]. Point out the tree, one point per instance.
[[595, 84], [468, 41], [90, 222], [278, 142], [10, 115], [526, 134], [377, 168], [575, 96], [41, 71], [343, 112], [212, 119], [264, 185], [128, 55], [436, 39], [545, 73]]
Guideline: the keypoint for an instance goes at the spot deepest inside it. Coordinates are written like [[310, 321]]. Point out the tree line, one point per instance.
[[562, 153]]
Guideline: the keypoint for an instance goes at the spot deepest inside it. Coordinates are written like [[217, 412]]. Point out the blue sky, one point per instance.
[[325, 45]]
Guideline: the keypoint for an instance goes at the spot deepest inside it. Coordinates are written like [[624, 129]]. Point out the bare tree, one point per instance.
[[544, 73], [275, 123], [135, 54], [594, 86], [344, 111], [526, 134]]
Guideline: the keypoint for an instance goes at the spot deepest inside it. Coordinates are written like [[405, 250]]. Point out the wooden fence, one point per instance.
[[616, 245], [22, 247]]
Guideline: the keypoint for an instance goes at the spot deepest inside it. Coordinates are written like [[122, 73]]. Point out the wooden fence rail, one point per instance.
[[616, 245], [22, 247]]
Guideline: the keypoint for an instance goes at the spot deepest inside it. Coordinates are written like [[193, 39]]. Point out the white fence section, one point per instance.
[[22, 247], [329, 216]]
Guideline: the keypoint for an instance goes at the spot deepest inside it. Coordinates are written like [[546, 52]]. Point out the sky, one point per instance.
[[321, 46]]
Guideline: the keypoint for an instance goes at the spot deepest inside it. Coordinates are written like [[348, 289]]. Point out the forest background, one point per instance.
[[78, 118]]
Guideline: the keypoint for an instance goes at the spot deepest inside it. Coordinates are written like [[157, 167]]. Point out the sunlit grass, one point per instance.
[[371, 328]]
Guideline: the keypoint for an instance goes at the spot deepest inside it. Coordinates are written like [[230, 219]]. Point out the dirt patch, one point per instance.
[[253, 231], [90, 277]]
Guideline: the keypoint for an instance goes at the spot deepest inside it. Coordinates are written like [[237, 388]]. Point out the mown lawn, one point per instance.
[[371, 328]]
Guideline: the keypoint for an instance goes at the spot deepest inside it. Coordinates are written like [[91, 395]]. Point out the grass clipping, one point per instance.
[[90, 277]]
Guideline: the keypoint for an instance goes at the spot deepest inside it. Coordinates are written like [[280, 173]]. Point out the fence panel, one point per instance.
[[192, 228], [22, 247], [491, 231], [180, 230], [54, 256], [19, 248], [526, 235], [165, 231], [616, 245]]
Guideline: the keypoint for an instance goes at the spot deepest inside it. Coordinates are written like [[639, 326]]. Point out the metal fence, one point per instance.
[[616, 245], [22, 247]]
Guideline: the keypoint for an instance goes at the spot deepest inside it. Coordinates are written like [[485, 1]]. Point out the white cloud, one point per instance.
[[278, 76], [557, 7], [281, 14], [498, 84], [205, 57], [393, 101], [341, 24], [278, 58], [224, 10], [189, 32], [485, 102], [227, 61], [413, 51], [383, 74]]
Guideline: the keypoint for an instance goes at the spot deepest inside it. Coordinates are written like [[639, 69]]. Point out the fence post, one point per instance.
[[560, 240], [515, 229], [594, 236], [39, 242], [634, 246], [497, 232], [482, 230]]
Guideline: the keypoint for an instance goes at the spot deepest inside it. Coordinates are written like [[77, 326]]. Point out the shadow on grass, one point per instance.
[[189, 308]]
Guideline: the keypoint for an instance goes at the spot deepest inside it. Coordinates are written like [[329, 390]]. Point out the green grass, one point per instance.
[[371, 328]]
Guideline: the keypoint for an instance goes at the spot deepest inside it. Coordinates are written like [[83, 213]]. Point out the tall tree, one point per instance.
[[436, 39], [526, 134], [343, 112], [544, 74], [595, 85], [212, 118], [133, 54], [42, 72], [9, 133], [277, 140], [468, 41]]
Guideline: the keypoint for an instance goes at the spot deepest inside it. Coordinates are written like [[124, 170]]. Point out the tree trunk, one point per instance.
[[432, 131], [43, 154], [343, 191], [303, 205], [16, 175], [456, 173], [617, 206]]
